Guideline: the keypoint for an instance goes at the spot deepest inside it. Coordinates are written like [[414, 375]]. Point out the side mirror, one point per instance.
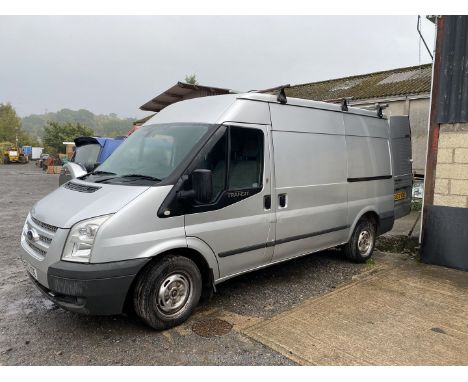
[[89, 167], [202, 185], [71, 171]]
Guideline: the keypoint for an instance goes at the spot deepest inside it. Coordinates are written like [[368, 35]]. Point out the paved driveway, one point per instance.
[[400, 313]]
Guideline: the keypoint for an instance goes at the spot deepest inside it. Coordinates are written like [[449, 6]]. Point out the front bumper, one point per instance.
[[95, 289]]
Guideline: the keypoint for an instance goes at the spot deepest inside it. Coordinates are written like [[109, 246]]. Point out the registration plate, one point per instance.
[[32, 271], [399, 195]]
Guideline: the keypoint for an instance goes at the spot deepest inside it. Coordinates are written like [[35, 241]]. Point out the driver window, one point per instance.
[[246, 158], [245, 165]]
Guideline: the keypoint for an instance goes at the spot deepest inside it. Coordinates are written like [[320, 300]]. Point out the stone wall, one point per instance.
[[451, 185]]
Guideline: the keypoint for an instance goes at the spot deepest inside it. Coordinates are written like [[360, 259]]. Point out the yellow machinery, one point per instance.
[[13, 154]]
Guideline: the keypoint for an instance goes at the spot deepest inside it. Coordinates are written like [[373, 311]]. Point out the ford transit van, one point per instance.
[[211, 188]]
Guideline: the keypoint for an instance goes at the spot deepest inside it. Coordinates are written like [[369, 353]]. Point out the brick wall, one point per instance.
[[451, 185]]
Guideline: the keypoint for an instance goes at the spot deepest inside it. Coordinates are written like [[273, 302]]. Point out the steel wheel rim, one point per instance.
[[364, 243], [174, 293]]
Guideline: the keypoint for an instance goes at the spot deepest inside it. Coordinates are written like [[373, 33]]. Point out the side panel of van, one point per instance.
[[310, 187], [370, 179]]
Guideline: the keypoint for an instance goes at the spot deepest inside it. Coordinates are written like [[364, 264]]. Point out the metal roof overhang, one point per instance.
[[179, 92]]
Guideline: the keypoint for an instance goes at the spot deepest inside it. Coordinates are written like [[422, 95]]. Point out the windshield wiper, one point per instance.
[[132, 177], [102, 173], [97, 173], [140, 176]]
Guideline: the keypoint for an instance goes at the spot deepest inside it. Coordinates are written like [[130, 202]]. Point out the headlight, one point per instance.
[[81, 239]]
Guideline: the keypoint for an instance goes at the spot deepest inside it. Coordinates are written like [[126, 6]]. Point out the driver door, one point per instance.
[[237, 222]]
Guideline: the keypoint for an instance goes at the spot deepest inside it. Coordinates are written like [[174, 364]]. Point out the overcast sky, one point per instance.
[[114, 64]]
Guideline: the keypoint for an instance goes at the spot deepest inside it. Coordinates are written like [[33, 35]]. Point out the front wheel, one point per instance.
[[361, 245], [167, 292]]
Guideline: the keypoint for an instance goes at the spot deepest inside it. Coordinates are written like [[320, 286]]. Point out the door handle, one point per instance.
[[282, 200], [267, 202]]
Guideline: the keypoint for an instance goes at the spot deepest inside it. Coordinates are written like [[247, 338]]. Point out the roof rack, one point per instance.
[[378, 107], [281, 97]]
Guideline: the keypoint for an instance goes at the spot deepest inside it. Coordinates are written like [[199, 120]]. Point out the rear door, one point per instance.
[[400, 144]]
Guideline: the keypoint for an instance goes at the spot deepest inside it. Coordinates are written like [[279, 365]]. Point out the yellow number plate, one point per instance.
[[399, 195]]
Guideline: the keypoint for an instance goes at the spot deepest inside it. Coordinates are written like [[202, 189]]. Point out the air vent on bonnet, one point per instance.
[[80, 187]]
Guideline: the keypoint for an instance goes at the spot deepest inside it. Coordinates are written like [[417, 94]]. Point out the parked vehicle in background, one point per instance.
[[36, 153], [27, 150], [211, 188], [89, 153], [42, 160], [14, 154]]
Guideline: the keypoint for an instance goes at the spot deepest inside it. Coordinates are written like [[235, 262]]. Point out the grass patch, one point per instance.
[[416, 204], [370, 263], [398, 244]]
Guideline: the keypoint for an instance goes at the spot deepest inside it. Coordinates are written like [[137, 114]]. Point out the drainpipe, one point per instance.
[[433, 129]]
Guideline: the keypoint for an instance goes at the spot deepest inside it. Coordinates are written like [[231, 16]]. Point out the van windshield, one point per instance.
[[150, 154]]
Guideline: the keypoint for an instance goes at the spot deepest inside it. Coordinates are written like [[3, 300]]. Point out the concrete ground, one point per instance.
[[399, 313], [409, 225], [319, 309]]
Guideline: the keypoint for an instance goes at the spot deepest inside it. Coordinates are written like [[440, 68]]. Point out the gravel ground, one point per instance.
[[33, 331]]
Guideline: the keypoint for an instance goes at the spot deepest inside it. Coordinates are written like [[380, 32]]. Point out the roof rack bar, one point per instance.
[[281, 98], [271, 90], [375, 106]]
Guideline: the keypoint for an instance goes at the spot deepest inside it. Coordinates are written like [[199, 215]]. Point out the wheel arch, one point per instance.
[[196, 250], [369, 213]]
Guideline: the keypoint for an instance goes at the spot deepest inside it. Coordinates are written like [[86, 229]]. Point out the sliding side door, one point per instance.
[[310, 188]]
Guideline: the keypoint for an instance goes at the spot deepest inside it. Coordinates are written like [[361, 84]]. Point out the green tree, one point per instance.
[[191, 79], [10, 123], [56, 133], [11, 129], [109, 125]]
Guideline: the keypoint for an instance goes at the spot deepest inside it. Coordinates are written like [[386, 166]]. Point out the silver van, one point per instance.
[[211, 188]]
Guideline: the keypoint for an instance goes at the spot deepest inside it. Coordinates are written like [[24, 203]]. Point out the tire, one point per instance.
[[5, 159], [361, 245], [167, 291]]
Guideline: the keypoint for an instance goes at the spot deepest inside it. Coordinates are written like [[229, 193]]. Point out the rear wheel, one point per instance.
[[361, 245], [167, 292]]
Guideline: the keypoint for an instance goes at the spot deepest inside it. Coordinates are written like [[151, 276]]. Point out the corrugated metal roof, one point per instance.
[[180, 92], [397, 82], [452, 99]]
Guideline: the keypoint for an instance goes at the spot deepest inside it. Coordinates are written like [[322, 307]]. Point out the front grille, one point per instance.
[[36, 249], [80, 187], [45, 239], [46, 226], [45, 233]]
